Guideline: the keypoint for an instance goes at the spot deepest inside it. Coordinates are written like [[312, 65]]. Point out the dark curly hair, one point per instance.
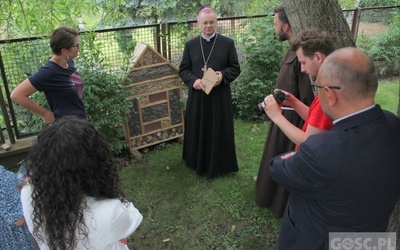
[[70, 161]]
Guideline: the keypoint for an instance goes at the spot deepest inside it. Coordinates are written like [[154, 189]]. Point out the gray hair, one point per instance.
[[353, 70]]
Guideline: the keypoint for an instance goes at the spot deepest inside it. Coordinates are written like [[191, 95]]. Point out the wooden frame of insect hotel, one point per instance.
[[156, 112]]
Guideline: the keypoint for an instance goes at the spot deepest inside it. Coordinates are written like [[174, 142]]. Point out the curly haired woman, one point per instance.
[[73, 199]]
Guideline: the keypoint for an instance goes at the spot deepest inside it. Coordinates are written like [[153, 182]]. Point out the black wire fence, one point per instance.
[[21, 57]]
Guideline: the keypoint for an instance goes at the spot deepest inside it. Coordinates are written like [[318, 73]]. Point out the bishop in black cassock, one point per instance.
[[209, 144]]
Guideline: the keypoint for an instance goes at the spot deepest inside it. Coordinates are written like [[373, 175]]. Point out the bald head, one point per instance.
[[351, 69], [354, 72]]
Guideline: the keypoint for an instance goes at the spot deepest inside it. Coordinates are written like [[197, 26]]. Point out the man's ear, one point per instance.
[[319, 57], [332, 96], [286, 27], [64, 51]]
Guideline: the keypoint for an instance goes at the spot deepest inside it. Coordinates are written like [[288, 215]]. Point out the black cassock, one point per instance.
[[209, 143]]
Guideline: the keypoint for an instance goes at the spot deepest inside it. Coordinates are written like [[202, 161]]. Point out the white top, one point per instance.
[[108, 221]]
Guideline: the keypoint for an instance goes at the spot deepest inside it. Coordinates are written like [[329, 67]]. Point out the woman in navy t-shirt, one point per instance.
[[58, 79]]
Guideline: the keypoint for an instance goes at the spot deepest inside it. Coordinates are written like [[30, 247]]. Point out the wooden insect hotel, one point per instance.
[[156, 110]]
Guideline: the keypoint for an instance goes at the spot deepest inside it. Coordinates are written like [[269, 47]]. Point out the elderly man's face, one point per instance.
[[207, 23], [323, 96]]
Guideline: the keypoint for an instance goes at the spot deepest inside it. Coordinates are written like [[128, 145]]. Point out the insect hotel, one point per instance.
[[156, 109]]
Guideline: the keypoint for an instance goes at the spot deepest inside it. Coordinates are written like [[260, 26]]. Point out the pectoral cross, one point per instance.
[[204, 69]]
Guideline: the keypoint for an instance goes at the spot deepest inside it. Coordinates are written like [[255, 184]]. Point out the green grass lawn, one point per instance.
[[388, 94], [184, 211]]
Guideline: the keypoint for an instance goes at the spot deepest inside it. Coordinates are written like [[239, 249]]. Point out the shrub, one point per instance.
[[387, 50], [377, 16], [259, 70], [347, 4], [105, 103], [384, 48], [28, 122], [29, 60], [365, 42], [126, 42], [104, 97]]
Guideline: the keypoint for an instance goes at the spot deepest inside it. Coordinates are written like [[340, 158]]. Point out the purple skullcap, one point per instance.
[[208, 9]]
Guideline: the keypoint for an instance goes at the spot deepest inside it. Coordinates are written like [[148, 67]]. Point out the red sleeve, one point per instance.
[[317, 118]]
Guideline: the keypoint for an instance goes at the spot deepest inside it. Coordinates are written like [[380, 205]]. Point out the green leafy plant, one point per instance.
[[377, 16], [105, 104], [126, 42], [29, 61], [104, 96], [387, 49], [365, 42], [384, 48], [28, 122], [347, 4], [259, 70]]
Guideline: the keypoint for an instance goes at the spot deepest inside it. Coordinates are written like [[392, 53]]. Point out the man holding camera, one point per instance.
[[290, 79], [347, 179], [312, 47]]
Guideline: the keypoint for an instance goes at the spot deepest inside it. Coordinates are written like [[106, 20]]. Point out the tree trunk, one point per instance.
[[325, 14]]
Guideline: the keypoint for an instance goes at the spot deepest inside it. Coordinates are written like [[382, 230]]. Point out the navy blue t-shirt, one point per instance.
[[62, 88]]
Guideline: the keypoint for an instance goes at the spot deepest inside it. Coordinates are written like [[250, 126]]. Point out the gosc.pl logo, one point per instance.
[[362, 241]]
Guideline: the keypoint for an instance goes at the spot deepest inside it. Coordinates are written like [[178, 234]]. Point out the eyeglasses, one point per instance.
[[77, 45], [211, 23], [316, 86]]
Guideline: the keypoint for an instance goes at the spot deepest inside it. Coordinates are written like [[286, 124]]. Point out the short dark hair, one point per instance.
[[62, 38], [311, 41], [280, 10]]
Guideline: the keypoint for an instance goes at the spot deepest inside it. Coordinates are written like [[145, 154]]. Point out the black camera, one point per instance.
[[279, 97]]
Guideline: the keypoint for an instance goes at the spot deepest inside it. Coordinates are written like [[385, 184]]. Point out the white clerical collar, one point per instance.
[[208, 39], [356, 113]]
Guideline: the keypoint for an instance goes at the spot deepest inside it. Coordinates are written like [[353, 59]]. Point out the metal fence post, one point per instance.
[[163, 39], [3, 103], [356, 23]]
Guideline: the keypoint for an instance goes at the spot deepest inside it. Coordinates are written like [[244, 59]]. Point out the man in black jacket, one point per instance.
[[347, 179]]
